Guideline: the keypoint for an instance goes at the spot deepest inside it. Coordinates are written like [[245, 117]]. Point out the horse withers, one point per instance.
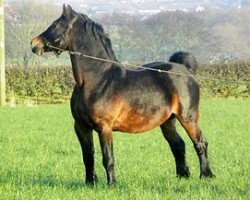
[[109, 97]]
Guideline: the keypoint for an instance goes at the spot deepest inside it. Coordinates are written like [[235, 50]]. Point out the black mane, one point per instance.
[[98, 31]]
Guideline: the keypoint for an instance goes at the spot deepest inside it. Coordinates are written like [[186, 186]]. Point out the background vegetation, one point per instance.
[[43, 84], [218, 39], [210, 35]]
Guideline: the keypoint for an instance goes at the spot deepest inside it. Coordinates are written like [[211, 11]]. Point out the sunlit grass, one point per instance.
[[41, 157]]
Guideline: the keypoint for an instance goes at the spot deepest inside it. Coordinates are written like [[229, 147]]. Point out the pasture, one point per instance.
[[41, 157]]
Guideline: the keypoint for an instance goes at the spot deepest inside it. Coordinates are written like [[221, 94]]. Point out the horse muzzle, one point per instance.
[[38, 46]]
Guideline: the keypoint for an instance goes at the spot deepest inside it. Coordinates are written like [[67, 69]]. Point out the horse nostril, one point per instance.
[[34, 49]]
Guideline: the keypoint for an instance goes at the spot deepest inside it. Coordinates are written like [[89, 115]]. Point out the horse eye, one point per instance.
[[54, 25]]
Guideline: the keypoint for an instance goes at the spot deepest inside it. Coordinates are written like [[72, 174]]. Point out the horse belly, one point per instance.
[[144, 117], [134, 121]]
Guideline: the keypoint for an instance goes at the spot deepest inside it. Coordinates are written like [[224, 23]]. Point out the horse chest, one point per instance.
[[80, 108], [93, 113]]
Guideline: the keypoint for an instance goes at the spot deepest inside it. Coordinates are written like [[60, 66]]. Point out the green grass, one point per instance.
[[41, 157]]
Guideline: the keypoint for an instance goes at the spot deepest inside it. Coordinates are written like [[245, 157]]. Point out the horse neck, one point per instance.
[[88, 71]]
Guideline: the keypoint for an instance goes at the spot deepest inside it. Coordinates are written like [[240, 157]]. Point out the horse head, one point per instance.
[[58, 34]]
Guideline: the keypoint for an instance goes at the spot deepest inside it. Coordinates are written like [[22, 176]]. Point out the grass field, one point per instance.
[[41, 157]]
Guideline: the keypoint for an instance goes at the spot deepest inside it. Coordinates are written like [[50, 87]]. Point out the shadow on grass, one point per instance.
[[162, 185], [21, 180], [168, 185], [50, 181], [75, 184]]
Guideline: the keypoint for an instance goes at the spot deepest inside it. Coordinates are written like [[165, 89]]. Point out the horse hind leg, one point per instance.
[[177, 146], [190, 124]]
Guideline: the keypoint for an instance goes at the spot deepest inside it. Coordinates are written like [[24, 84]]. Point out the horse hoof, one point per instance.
[[185, 173], [111, 183], [207, 176], [92, 181]]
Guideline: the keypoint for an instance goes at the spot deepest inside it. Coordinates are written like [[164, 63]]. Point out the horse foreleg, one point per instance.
[[106, 141], [85, 137], [177, 146]]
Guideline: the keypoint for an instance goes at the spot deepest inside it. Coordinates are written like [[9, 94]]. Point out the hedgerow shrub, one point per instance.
[[55, 84], [227, 73], [44, 83]]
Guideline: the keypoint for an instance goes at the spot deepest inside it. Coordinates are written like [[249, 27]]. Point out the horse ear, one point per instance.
[[68, 11], [64, 8], [71, 9]]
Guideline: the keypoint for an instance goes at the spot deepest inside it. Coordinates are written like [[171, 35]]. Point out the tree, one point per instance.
[[230, 28], [120, 29], [23, 22]]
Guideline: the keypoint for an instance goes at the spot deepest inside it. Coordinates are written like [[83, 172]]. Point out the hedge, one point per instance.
[[55, 84], [40, 84], [227, 73]]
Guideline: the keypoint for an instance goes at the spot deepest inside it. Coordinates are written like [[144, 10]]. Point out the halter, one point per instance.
[[69, 27], [63, 36]]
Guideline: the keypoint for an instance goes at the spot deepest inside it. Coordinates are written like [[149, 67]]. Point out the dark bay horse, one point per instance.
[[108, 97]]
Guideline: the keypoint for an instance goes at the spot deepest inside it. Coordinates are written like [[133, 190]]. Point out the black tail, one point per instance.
[[185, 58]]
